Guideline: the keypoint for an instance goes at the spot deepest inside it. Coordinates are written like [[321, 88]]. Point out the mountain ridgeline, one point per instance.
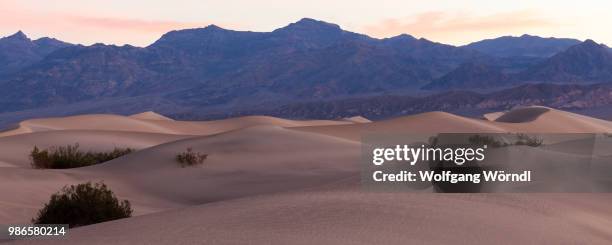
[[309, 60], [525, 46], [214, 66], [18, 51]]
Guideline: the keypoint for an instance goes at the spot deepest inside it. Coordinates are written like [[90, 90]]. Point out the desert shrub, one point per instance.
[[69, 156], [486, 140], [474, 140], [527, 140], [83, 204], [521, 139], [491, 141], [433, 141], [190, 158]]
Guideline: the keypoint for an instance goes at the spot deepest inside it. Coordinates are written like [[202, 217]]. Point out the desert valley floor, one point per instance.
[[275, 181]]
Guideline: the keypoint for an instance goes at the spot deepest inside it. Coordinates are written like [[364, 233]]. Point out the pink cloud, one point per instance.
[[446, 25], [80, 28], [136, 25]]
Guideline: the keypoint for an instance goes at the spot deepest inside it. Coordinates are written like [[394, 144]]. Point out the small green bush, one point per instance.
[[70, 157], [190, 158], [83, 204]]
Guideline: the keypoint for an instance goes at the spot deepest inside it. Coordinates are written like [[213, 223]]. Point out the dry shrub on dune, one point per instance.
[[190, 158], [83, 204], [70, 156]]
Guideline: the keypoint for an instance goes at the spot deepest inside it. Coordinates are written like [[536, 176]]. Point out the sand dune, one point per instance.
[[154, 123], [431, 122], [90, 122], [31, 188], [26, 190], [357, 119], [14, 150], [225, 125], [493, 115], [547, 120], [276, 181], [151, 115], [529, 120], [347, 216], [257, 160], [251, 161], [522, 115]]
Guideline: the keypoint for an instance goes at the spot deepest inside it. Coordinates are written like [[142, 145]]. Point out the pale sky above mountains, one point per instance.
[[140, 22]]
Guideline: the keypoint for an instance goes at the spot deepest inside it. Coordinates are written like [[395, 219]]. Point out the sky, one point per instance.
[[457, 22]]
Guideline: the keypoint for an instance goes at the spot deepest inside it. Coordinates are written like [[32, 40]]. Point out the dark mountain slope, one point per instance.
[[471, 75], [18, 51], [585, 62], [525, 45], [566, 97], [440, 58], [78, 73]]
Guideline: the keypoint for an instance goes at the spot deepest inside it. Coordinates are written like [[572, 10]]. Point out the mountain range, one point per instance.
[[586, 62], [310, 60]]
